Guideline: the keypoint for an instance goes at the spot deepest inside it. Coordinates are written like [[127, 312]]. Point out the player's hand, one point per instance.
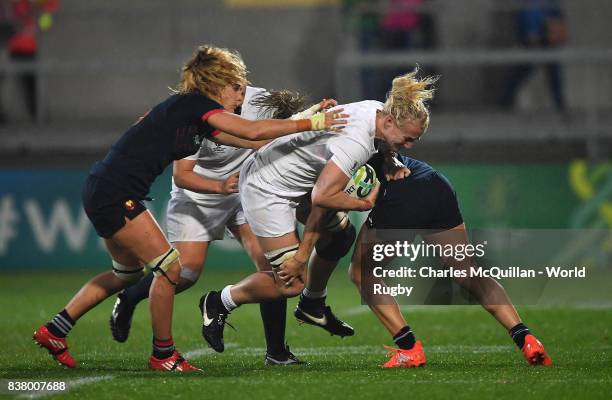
[[290, 270], [330, 121], [370, 199], [230, 185], [395, 170], [326, 104]]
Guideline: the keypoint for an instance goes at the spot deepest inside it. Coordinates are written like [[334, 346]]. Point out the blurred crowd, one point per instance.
[[408, 25], [20, 24]]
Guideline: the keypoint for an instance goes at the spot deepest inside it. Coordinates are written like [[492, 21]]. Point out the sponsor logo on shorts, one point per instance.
[[129, 205]]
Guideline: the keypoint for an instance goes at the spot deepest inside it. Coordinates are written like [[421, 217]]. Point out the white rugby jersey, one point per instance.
[[289, 166], [216, 161]]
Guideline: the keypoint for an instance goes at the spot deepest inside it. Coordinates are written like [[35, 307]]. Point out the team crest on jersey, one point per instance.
[[218, 148]]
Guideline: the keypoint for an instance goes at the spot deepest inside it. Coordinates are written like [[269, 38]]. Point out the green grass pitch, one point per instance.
[[469, 355]]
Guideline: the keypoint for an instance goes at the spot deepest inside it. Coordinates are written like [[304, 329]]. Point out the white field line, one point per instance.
[[207, 350], [70, 384]]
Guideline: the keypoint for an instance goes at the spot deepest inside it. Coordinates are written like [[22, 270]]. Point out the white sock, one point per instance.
[[226, 298], [314, 295]]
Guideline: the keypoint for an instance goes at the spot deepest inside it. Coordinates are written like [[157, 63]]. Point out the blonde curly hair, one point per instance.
[[211, 68], [407, 99]]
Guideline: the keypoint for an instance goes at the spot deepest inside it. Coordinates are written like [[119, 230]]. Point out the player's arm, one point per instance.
[[328, 191], [293, 268], [186, 178], [272, 129], [234, 141]]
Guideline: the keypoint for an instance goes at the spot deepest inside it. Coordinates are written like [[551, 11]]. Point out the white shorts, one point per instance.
[[202, 221], [268, 215]]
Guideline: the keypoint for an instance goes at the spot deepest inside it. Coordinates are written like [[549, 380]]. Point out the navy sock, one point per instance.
[[61, 324], [274, 317], [163, 348], [405, 339], [139, 291], [312, 302], [518, 333]]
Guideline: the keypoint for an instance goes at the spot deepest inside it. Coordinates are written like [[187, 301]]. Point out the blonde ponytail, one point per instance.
[[407, 99]]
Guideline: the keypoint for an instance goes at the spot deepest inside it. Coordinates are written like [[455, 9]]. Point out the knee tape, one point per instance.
[[160, 265], [127, 274], [337, 244], [278, 257]]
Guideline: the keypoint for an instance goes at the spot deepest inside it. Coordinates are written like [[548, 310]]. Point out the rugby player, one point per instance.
[[212, 80], [204, 202], [306, 168], [424, 201]]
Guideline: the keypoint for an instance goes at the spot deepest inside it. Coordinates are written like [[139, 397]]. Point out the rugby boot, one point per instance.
[[121, 318], [534, 352], [402, 358], [57, 347], [322, 316], [284, 358], [213, 320], [175, 362]]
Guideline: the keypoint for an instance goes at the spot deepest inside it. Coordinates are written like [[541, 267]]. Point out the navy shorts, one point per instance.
[[424, 202], [107, 206]]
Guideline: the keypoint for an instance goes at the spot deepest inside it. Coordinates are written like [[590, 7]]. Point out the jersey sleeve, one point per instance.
[[349, 155], [204, 109]]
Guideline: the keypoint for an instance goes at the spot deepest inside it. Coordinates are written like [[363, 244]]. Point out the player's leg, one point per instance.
[[256, 288], [492, 296], [330, 248], [272, 220], [409, 351], [192, 256], [274, 312], [52, 336], [143, 237]]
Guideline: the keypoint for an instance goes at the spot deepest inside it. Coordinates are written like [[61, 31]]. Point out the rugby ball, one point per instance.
[[362, 182]]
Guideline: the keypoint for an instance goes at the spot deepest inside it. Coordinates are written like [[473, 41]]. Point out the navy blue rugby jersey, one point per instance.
[[172, 130]]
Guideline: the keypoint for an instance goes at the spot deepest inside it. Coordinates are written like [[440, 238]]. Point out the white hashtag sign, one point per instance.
[[8, 220]]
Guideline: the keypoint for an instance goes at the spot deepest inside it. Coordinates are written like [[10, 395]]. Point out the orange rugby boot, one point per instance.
[[534, 352], [401, 358]]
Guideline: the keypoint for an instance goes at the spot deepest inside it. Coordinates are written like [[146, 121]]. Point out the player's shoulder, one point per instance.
[[361, 121], [362, 108], [417, 167], [194, 101], [249, 109]]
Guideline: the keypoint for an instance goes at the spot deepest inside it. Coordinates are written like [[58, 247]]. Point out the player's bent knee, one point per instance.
[[189, 274], [294, 290], [337, 244], [160, 265], [128, 274]]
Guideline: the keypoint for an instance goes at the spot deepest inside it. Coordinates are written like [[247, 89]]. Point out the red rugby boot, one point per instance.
[[175, 362], [57, 347]]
